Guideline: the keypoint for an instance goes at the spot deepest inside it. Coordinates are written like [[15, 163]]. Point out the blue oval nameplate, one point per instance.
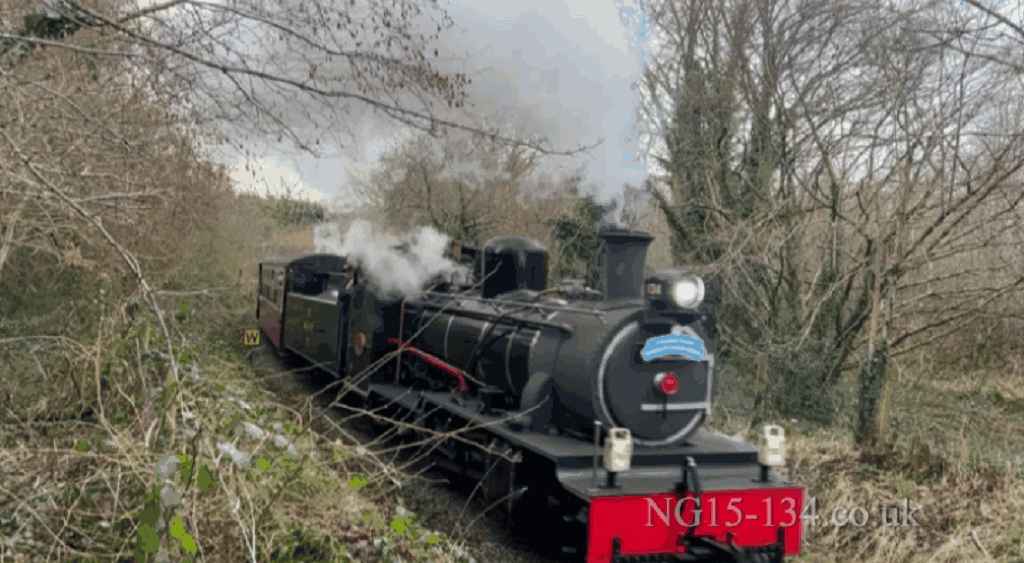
[[689, 347]]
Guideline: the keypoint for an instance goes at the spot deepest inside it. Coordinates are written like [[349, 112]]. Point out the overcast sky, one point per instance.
[[563, 68]]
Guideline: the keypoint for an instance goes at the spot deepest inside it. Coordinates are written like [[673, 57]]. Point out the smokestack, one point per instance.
[[621, 262]]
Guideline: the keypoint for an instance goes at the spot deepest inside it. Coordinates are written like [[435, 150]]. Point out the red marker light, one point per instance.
[[667, 382]]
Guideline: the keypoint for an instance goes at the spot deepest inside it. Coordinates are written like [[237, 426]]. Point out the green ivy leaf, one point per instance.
[[185, 539], [82, 446], [151, 511], [400, 525], [263, 464], [205, 479], [149, 542], [357, 482], [185, 357], [184, 467], [433, 538]]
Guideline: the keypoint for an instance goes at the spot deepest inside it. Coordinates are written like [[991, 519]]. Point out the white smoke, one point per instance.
[[327, 238], [399, 266]]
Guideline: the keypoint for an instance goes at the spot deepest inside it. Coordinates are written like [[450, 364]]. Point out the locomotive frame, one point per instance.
[[509, 376]]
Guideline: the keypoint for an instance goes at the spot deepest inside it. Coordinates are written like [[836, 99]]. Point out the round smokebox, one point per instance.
[[660, 401]]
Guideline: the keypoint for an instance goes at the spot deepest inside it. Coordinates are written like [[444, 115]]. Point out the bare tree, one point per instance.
[[294, 70], [987, 31], [837, 166], [465, 188]]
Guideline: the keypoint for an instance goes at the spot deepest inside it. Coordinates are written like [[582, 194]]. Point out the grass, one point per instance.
[[956, 458], [960, 514], [247, 477], [106, 455]]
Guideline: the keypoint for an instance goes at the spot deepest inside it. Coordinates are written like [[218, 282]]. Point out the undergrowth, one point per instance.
[[904, 505], [207, 466], [112, 449]]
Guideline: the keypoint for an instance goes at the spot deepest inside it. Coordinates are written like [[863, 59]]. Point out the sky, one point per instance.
[[561, 68]]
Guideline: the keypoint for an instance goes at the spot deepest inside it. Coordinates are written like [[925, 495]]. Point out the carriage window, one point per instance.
[[269, 284]]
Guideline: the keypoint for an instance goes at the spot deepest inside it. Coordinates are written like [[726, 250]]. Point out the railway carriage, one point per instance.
[[580, 410]]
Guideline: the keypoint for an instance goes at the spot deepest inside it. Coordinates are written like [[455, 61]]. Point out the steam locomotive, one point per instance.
[[578, 410]]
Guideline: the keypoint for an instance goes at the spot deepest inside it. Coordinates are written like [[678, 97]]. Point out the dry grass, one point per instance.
[[956, 455], [961, 514], [79, 486], [90, 411]]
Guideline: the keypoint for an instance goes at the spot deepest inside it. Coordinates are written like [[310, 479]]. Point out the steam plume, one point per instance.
[[399, 266]]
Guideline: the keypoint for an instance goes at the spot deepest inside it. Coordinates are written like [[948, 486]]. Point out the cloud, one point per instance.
[[271, 175], [561, 69]]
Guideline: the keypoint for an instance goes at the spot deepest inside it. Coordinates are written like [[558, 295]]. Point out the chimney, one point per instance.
[[621, 262]]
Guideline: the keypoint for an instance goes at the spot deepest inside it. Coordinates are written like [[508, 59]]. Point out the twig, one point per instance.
[[977, 542], [172, 293]]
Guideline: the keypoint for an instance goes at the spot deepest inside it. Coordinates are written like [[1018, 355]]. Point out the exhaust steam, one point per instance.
[[400, 266]]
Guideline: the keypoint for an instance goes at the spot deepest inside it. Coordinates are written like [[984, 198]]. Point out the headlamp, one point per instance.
[[688, 292], [674, 290]]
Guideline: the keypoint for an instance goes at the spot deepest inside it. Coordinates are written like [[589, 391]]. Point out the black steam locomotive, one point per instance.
[[579, 409]]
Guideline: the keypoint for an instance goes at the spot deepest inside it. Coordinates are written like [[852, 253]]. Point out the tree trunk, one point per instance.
[[873, 411]]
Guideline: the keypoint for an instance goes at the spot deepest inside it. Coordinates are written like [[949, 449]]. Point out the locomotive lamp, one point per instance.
[[674, 290], [618, 453], [667, 383], [773, 449]]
